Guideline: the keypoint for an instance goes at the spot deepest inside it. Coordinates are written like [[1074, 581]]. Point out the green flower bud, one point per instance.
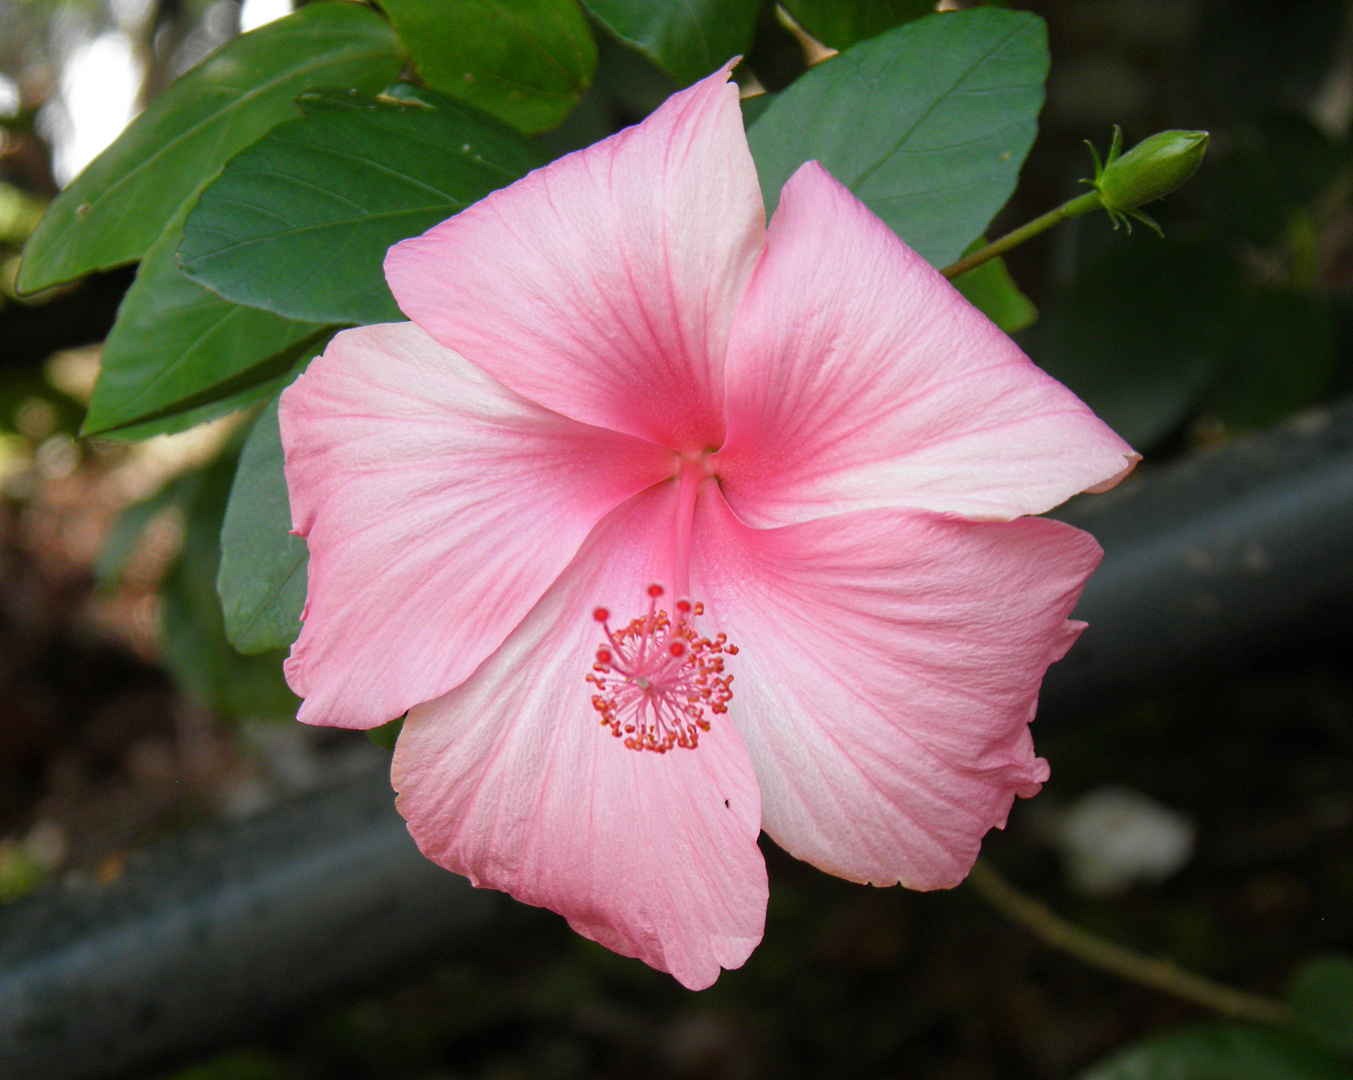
[[1151, 169]]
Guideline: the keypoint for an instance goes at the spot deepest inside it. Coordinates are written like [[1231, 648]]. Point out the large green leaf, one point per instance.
[[841, 23], [120, 205], [1321, 996], [177, 346], [183, 416], [299, 223], [990, 288], [194, 644], [1220, 1052], [263, 567], [525, 61], [687, 38], [927, 124]]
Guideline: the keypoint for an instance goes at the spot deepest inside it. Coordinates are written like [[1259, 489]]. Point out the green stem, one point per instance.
[[1148, 971], [1081, 204]]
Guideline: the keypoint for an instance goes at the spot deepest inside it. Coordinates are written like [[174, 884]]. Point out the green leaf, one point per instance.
[[687, 38], [178, 346], [1321, 996], [1141, 334], [299, 223], [927, 124], [1282, 355], [194, 645], [263, 567], [841, 23], [1220, 1052], [386, 735], [120, 205], [182, 417], [753, 108], [525, 61], [992, 290]]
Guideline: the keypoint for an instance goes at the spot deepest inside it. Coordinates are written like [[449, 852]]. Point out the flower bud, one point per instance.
[[1151, 169]]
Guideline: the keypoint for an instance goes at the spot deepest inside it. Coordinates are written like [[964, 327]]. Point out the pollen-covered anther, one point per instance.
[[657, 679]]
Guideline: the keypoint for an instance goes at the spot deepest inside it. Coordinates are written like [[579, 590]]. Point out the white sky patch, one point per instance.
[[99, 84], [256, 13]]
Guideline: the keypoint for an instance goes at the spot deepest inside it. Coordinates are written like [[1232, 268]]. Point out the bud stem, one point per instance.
[[1144, 970], [1081, 204]]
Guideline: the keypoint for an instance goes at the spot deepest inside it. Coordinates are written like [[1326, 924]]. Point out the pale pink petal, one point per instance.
[[438, 507], [889, 667], [858, 377], [511, 780], [603, 285]]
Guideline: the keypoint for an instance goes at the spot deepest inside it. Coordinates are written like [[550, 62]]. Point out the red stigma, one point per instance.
[[655, 679]]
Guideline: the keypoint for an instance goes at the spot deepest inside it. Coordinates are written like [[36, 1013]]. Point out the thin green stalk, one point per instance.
[[1081, 204], [1161, 975]]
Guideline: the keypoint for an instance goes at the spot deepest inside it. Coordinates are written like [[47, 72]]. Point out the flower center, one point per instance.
[[656, 678]]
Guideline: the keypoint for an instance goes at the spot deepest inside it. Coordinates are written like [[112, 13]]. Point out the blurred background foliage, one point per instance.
[[129, 716], [1240, 316]]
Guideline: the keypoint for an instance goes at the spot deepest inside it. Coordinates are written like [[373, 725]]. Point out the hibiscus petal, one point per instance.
[[890, 664], [511, 780], [603, 285], [438, 506], [858, 377]]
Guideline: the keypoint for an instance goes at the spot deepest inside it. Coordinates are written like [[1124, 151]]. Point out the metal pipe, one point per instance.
[[221, 933], [1242, 551], [1211, 562]]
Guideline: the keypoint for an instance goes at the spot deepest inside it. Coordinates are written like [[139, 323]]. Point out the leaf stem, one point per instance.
[[1081, 204], [1157, 974]]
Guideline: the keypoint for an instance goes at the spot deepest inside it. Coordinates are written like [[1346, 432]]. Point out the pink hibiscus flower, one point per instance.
[[666, 527]]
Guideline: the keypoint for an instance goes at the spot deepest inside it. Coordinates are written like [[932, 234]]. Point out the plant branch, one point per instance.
[[1081, 204], [1158, 974]]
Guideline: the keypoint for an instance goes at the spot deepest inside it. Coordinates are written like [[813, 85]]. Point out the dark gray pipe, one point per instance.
[[1231, 555], [1221, 558], [218, 935]]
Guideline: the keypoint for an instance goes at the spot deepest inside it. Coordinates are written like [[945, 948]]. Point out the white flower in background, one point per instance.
[[1113, 837]]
